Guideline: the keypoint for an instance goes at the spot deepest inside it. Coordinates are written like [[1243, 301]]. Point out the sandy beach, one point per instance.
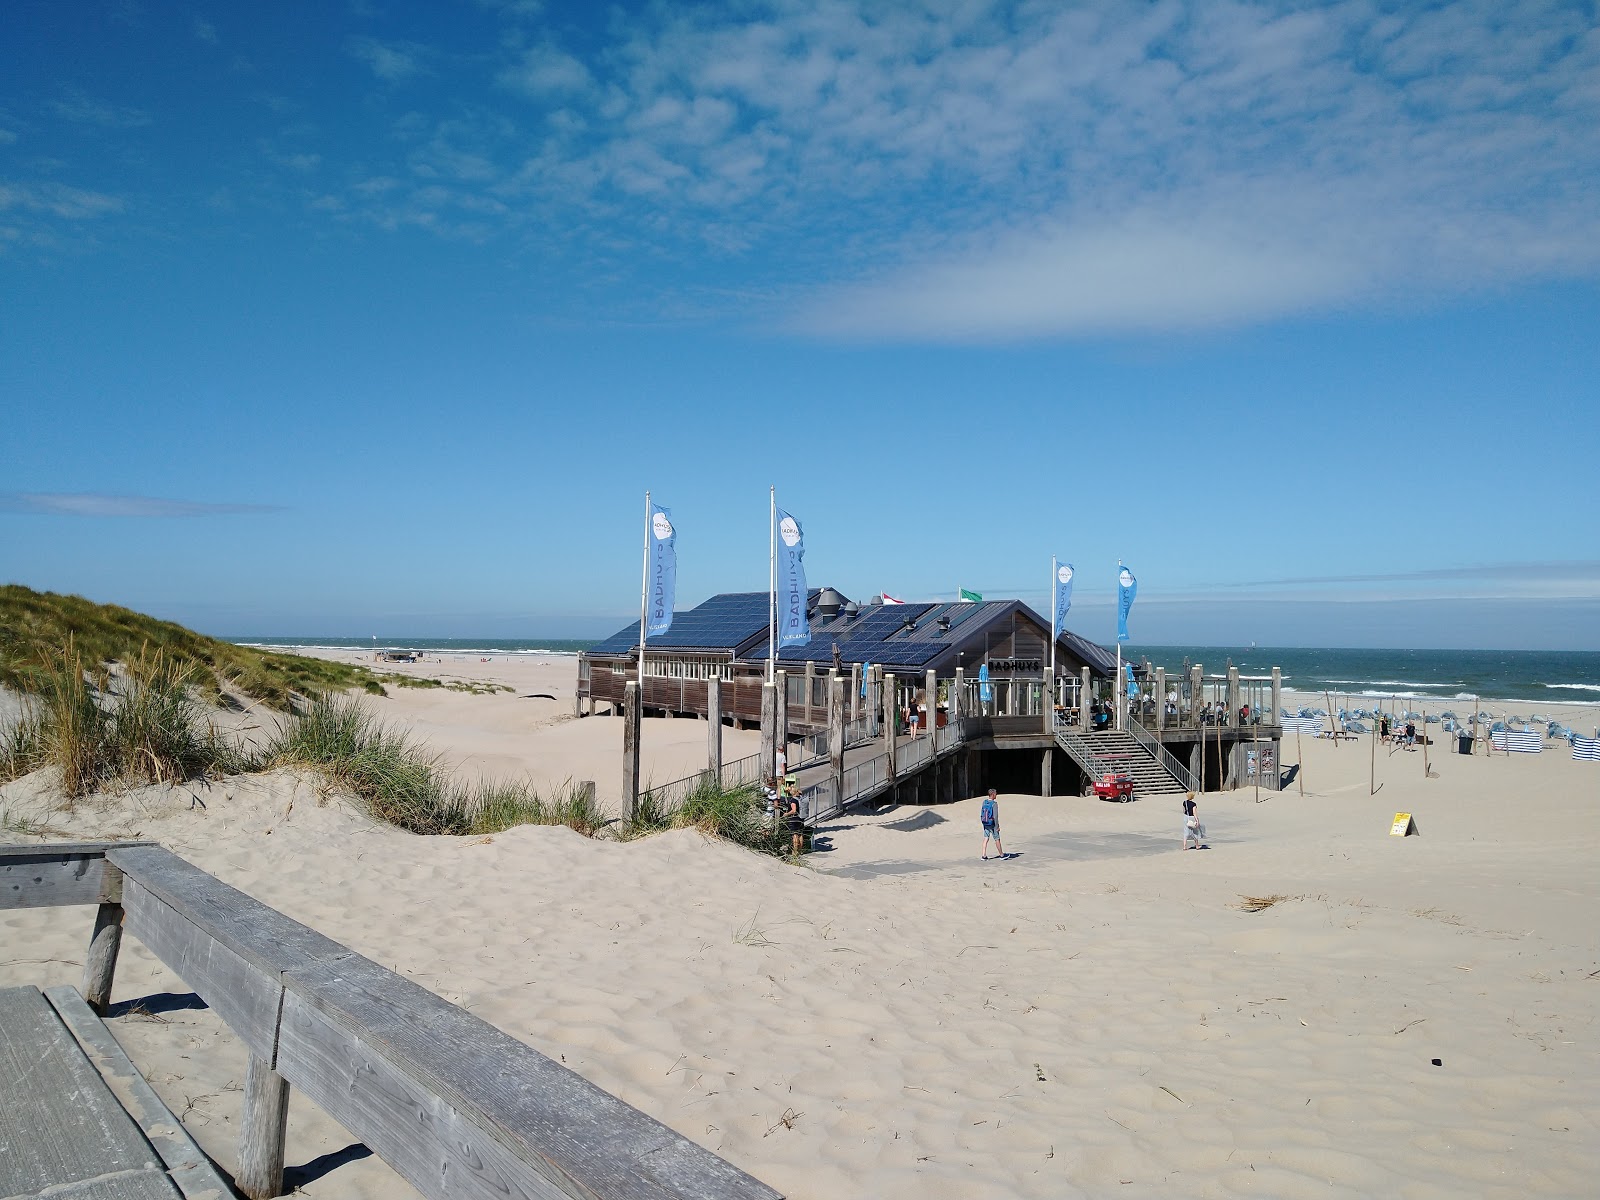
[[1099, 1014]]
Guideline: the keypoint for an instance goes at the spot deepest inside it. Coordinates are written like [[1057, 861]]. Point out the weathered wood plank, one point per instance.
[[43, 877], [463, 1110], [262, 936], [195, 1175], [129, 1185], [262, 1132], [100, 968], [59, 1123], [246, 997]]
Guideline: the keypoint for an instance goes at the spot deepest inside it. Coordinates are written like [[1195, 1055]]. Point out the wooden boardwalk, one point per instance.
[[76, 1120]]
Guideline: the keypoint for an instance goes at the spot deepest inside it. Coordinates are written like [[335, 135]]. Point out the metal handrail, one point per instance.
[[1075, 745], [1163, 756]]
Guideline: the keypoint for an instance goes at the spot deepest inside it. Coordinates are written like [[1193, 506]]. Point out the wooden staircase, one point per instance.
[[1111, 751]]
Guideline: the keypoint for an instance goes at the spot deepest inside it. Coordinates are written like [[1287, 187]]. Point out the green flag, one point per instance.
[[973, 596]]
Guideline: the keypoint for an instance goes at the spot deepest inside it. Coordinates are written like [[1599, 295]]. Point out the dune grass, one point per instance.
[[35, 627], [141, 724], [404, 784], [103, 713]]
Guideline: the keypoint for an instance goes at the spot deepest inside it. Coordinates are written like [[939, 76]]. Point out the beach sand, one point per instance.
[[896, 1018]]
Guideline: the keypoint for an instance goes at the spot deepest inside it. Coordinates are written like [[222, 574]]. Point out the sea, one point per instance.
[[1550, 676], [1529, 676], [439, 646]]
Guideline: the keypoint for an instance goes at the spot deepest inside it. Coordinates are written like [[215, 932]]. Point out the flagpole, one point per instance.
[[644, 592], [772, 586], [1054, 634], [1116, 688]]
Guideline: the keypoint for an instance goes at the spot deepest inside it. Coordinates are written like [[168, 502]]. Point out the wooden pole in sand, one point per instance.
[[714, 728], [1300, 756], [1334, 728], [1372, 766], [633, 709], [1427, 772], [1222, 771], [1255, 748]]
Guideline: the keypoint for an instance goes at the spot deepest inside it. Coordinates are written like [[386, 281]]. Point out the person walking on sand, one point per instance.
[[989, 818], [1193, 830], [789, 806]]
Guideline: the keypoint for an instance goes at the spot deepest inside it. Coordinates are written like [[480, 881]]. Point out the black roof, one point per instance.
[[724, 622], [891, 635]]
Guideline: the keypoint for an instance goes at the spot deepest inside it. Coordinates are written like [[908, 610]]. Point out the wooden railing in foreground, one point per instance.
[[459, 1108]]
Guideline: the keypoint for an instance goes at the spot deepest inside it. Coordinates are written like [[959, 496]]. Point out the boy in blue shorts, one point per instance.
[[989, 817]]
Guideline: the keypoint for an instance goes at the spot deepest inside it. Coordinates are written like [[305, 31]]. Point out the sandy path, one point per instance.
[[1092, 1016]]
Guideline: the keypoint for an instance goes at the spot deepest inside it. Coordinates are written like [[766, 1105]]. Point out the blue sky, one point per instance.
[[380, 318]]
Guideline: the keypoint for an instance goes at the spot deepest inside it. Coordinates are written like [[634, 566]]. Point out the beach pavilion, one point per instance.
[[937, 644]]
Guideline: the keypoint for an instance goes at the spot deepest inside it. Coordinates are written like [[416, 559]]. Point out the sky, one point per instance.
[[338, 319]]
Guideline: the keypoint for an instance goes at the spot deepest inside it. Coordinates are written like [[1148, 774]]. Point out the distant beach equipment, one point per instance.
[[1303, 724], [1586, 749], [1517, 741]]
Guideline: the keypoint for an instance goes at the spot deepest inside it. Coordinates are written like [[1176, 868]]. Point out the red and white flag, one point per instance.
[[888, 599]]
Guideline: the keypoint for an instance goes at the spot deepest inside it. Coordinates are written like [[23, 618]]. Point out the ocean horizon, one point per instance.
[[1529, 676]]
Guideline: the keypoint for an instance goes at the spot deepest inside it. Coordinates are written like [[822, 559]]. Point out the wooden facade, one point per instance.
[[1007, 637]]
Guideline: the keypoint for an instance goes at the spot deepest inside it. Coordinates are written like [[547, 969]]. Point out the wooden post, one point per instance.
[[714, 727], [1223, 774], [930, 690], [101, 963], [836, 712], [891, 715], [1277, 695], [875, 697], [956, 693], [1427, 772], [855, 692], [1083, 703], [811, 673], [1335, 728], [262, 1131], [769, 732], [1196, 692], [964, 773], [781, 733], [633, 716], [1044, 771], [1233, 696], [1161, 699], [1255, 748]]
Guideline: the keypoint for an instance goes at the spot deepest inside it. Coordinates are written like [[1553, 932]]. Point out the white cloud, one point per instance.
[[545, 70], [389, 62], [57, 200], [986, 171], [80, 108], [95, 504]]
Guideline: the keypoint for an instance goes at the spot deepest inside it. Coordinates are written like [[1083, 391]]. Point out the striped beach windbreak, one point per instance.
[[1586, 749], [1311, 725], [1518, 741]]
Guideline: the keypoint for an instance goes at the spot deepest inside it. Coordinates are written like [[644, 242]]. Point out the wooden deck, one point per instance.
[[76, 1120]]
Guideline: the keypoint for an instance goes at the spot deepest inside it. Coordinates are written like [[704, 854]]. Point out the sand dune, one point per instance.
[[1095, 1015]]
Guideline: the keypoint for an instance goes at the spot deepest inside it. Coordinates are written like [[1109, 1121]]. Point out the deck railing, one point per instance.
[[1163, 756], [454, 1105]]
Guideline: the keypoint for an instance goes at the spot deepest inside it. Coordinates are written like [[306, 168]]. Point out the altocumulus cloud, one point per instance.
[[95, 504], [1010, 170]]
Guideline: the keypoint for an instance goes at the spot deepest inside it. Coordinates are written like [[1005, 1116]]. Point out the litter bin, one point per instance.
[[1464, 743]]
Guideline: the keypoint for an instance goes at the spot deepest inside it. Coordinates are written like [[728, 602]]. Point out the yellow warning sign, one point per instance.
[[1403, 825]]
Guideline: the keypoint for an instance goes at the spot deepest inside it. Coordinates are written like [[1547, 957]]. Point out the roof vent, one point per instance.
[[852, 610], [944, 624], [828, 603]]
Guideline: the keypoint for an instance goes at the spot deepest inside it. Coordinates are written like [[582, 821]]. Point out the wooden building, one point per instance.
[[726, 638]]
